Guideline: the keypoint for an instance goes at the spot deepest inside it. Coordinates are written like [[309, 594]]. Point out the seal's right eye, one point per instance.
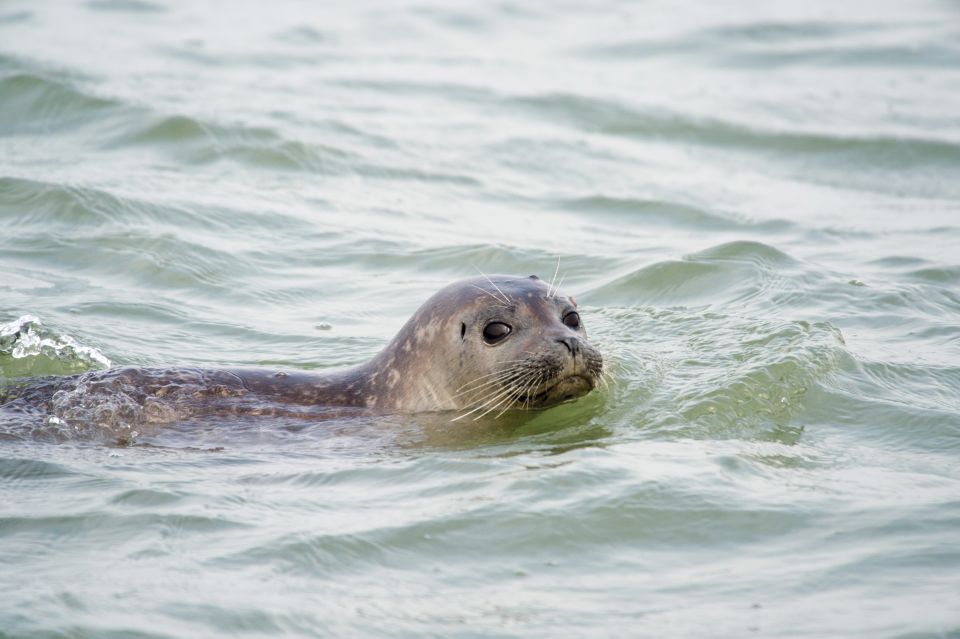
[[572, 319], [495, 331]]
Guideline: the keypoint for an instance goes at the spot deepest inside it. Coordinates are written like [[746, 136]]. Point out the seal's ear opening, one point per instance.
[[463, 330]]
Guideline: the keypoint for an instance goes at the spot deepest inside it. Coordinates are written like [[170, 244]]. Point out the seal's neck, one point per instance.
[[395, 381]]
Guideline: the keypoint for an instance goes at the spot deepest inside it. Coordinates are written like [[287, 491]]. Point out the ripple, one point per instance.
[[196, 142], [772, 44], [937, 275], [732, 272], [308, 554], [36, 103], [164, 245], [707, 374], [612, 118], [305, 35], [862, 56], [53, 206], [716, 41], [146, 498], [669, 214], [16, 17], [14, 469], [112, 525], [126, 6], [927, 386], [745, 251]]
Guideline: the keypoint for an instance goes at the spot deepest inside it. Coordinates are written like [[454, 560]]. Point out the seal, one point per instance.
[[478, 346]]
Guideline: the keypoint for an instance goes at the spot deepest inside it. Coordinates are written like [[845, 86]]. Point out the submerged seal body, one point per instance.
[[477, 346]]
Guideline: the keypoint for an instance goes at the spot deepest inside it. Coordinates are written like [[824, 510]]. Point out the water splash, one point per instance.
[[29, 348]]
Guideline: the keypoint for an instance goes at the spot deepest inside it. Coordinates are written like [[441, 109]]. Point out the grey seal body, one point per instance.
[[476, 346]]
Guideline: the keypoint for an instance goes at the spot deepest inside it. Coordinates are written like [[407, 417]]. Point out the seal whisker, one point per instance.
[[493, 382], [481, 377], [504, 398], [540, 379], [559, 284], [606, 378], [497, 374], [495, 397], [521, 389], [536, 384], [525, 392], [498, 304], [499, 386], [554, 278], [505, 298], [502, 370], [509, 399], [505, 385]]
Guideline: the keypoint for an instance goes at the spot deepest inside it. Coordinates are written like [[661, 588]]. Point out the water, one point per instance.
[[757, 206]]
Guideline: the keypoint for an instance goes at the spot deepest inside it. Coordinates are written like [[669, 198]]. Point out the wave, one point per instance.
[[670, 214], [39, 101], [28, 348], [773, 44], [34, 101], [734, 272], [611, 117]]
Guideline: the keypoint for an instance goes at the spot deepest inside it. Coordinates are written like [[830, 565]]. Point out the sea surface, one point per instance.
[[757, 205]]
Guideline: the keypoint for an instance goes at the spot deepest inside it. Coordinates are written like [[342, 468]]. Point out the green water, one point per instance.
[[757, 206]]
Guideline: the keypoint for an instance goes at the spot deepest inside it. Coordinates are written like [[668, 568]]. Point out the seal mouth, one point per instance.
[[563, 390]]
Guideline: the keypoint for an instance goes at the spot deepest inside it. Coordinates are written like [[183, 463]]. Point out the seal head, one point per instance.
[[486, 345]]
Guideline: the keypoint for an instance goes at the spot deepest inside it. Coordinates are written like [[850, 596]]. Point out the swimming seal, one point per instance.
[[478, 346]]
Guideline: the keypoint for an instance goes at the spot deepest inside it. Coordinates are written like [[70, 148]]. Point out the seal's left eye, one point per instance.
[[495, 331], [572, 319]]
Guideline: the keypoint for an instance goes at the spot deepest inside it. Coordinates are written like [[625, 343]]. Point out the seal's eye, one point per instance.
[[572, 319], [495, 331]]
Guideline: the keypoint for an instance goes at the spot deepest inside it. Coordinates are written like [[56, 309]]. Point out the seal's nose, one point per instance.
[[572, 344]]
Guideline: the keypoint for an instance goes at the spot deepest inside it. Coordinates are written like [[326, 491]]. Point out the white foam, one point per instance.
[[28, 337]]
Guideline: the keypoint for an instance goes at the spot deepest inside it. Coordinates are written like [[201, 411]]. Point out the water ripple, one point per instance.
[[612, 118]]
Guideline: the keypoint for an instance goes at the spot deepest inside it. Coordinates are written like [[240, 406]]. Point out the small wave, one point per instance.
[[16, 17], [803, 43], [305, 35], [885, 57], [48, 204], [165, 244], [145, 498], [132, 6], [198, 142], [720, 374], [34, 100], [116, 525], [32, 469], [713, 42], [669, 214], [28, 348], [744, 251], [915, 386], [730, 272], [937, 275], [613, 118]]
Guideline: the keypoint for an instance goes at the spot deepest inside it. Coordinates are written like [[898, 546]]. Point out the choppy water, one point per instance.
[[757, 205]]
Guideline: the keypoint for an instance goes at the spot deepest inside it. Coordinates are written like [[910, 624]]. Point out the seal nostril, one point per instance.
[[571, 343]]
